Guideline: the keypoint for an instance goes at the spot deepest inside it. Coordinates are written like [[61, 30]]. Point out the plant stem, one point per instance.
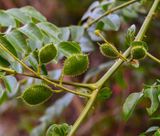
[[8, 70], [83, 85], [110, 11], [84, 113], [153, 58], [115, 66], [64, 88]]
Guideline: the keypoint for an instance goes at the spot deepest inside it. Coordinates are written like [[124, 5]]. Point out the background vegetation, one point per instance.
[[17, 119]]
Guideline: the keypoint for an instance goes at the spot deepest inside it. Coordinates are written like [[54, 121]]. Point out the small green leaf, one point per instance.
[[3, 95], [58, 130], [130, 104], [17, 40], [37, 94], [16, 66], [157, 133], [100, 25], [111, 22], [19, 15], [11, 83], [33, 13], [32, 61], [44, 69], [49, 28], [47, 53], [7, 45], [32, 31], [6, 20], [76, 64], [152, 93], [129, 12], [65, 33], [104, 93], [4, 62], [6, 56], [130, 34], [68, 48], [76, 32]]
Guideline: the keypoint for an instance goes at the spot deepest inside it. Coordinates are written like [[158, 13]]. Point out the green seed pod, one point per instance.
[[37, 94], [138, 52], [47, 53], [139, 43], [75, 65], [108, 50]]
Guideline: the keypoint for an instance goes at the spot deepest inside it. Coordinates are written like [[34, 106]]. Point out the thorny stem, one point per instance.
[[115, 66], [109, 12]]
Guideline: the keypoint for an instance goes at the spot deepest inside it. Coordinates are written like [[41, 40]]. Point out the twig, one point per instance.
[[109, 12]]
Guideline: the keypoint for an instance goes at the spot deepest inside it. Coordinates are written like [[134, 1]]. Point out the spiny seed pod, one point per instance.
[[139, 43], [47, 53], [75, 65], [108, 50], [37, 94], [58, 130], [139, 50]]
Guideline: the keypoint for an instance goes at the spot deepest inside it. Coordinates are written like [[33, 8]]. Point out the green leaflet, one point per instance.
[[19, 15], [4, 62], [17, 40], [49, 28], [3, 95], [6, 20], [69, 47], [11, 84], [7, 45], [33, 13], [130, 104], [152, 93], [76, 32], [104, 93], [32, 31]]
